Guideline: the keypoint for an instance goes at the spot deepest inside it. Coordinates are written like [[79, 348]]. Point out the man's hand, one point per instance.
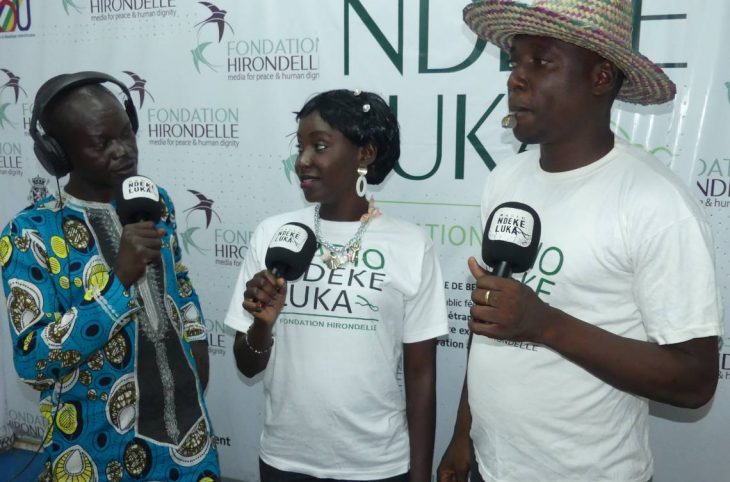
[[139, 245], [199, 349], [511, 311], [454, 466], [682, 374]]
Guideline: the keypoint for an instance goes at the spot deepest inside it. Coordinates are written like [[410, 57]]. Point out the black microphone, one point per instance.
[[291, 250], [510, 242], [138, 200], [511, 239]]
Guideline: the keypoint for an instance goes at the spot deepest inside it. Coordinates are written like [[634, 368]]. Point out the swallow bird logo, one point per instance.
[[187, 240], [204, 204], [217, 17], [288, 164], [70, 3], [139, 87], [12, 83], [198, 57], [3, 115]]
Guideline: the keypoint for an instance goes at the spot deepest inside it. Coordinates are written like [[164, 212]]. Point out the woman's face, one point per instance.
[[327, 162]]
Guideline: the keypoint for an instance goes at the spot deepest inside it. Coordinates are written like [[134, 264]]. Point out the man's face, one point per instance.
[[101, 146], [550, 88]]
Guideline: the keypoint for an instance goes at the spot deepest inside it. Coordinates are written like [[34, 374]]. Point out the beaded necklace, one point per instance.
[[335, 257]]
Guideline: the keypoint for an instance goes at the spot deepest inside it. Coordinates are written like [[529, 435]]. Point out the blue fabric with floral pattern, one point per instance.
[[75, 332]]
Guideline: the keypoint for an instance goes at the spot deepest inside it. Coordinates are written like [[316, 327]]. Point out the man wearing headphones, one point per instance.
[[104, 319]]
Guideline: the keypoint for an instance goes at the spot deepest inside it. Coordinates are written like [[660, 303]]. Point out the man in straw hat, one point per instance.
[[625, 306]]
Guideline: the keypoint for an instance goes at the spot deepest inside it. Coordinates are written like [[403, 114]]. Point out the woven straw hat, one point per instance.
[[602, 26]]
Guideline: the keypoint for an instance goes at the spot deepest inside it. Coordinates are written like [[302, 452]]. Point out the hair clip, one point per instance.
[[357, 92], [366, 107]]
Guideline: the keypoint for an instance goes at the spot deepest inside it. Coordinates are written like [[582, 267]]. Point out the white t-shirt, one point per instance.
[[624, 247], [334, 404]]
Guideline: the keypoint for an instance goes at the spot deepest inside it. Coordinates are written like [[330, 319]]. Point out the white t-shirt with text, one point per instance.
[[335, 405], [624, 247]]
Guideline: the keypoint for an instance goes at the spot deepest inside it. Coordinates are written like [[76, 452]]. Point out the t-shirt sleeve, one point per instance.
[[425, 311], [675, 282], [236, 317]]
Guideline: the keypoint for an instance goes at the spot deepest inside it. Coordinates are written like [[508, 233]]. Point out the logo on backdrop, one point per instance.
[[4, 119], [11, 153], [69, 6], [139, 87], [11, 159], [217, 18], [27, 425], [204, 205], [215, 22], [713, 182], [263, 59], [183, 125], [217, 339], [713, 176], [10, 95], [15, 19], [124, 11], [13, 84], [288, 166], [205, 234], [389, 53], [38, 189], [13, 87]]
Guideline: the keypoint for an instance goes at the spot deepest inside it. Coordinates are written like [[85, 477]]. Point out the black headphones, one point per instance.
[[46, 148]]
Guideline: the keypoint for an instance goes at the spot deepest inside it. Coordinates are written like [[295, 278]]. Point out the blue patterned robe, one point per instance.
[[118, 381]]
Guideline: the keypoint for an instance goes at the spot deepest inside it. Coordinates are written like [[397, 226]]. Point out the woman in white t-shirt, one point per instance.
[[350, 382]]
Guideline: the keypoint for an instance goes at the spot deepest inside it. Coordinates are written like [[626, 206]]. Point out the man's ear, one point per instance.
[[606, 77]]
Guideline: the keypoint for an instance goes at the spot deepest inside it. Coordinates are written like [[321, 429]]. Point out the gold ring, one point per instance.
[[486, 297]]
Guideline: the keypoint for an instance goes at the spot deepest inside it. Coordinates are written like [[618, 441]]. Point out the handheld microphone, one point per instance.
[[291, 251], [509, 121], [511, 239], [138, 200], [510, 242]]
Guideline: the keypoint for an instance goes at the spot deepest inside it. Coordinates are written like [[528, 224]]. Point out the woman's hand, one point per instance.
[[264, 296]]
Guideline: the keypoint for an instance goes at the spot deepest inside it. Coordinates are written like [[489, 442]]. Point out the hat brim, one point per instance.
[[498, 21]]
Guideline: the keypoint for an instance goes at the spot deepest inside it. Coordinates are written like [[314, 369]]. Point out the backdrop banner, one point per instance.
[[216, 84]]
